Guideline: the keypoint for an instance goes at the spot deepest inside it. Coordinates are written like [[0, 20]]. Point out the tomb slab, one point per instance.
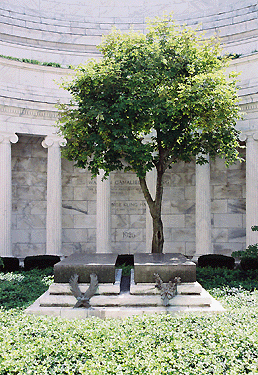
[[84, 264], [167, 266]]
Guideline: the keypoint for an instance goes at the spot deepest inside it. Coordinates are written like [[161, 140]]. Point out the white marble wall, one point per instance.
[[128, 208]]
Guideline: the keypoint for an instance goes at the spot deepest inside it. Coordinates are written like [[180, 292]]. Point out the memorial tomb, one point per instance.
[[48, 206]]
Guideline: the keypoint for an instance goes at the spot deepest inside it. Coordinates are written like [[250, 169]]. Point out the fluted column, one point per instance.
[[203, 210], [6, 192], [251, 185], [103, 243], [151, 178], [54, 194]]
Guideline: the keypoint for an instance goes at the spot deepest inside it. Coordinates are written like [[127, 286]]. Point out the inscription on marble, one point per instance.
[[129, 235]]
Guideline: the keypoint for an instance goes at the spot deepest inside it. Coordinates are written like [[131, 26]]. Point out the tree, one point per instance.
[[151, 101]]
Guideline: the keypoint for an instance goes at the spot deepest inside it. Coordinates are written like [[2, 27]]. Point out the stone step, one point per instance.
[[149, 289], [125, 300]]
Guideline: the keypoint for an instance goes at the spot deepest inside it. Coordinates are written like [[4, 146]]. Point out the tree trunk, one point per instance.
[[155, 211], [158, 236]]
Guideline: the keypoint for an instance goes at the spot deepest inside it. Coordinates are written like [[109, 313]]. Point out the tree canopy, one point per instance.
[[152, 100]]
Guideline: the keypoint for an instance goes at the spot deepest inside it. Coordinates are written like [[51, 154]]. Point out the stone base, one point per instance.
[[143, 298]]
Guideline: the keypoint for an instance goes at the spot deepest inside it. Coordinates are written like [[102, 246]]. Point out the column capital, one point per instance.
[[249, 136], [7, 137], [55, 140]]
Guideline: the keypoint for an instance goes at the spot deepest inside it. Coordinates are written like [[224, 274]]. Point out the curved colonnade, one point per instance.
[[200, 206]]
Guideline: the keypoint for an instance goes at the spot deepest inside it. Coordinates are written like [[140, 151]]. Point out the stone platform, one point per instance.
[[110, 302]]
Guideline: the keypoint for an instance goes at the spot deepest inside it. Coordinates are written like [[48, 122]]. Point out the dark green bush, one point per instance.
[[249, 263], [9, 264], [216, 260], [40, 261]]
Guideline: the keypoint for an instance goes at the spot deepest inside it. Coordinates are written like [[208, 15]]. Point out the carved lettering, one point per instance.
[[129, 235]]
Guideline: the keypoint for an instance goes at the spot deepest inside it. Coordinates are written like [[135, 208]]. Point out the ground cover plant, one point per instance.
[[225, 343]]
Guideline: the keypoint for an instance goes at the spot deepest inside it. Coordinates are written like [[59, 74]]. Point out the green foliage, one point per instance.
[[249, 256], [154, 99], [168, 84], [225, 343], [1, 263], [216, 260], [30, 61], [126, 269], [20, 289], [40, 261], [211, 278]]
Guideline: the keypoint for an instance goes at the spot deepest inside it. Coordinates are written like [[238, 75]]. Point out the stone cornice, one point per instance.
[[28, 112]]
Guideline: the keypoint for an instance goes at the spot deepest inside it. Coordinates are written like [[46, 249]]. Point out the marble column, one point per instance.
[[151, 179], [103, 219], [6, 192], [203, 210], [54, 194], [251, 185]]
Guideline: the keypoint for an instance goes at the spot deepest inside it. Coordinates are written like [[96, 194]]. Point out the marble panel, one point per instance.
[[75, 235], [174, 193], [183, 234], [67, 221], [75, 207], [236, 176], [84, 193], [92, 235], [130, 193], [121, 247], [74, 179], [237, 235], [67, 166], [174, 247], [219, 177], [173, 221], [137, 221], [32, 221], [190, 220], [227, 191], [31, 178], [137, 247], [20, 236], [182, 206], [21, 250], [130, 235], [228, 220], [219, 205], [85, 221], [21, 150], [236, 206], [14, 221], [128, 207], [68, 193], [31, 193], [190, 192], [219, 235], [92, 207], [120, 221], [38, 165], [38, 236]]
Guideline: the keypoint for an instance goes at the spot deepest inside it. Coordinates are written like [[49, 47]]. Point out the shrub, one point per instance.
[[40, 261], [249, 263], [9, 264], [216, 260]]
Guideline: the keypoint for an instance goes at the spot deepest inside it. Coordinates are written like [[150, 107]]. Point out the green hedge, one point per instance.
[[216, 260], [40, 261]]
